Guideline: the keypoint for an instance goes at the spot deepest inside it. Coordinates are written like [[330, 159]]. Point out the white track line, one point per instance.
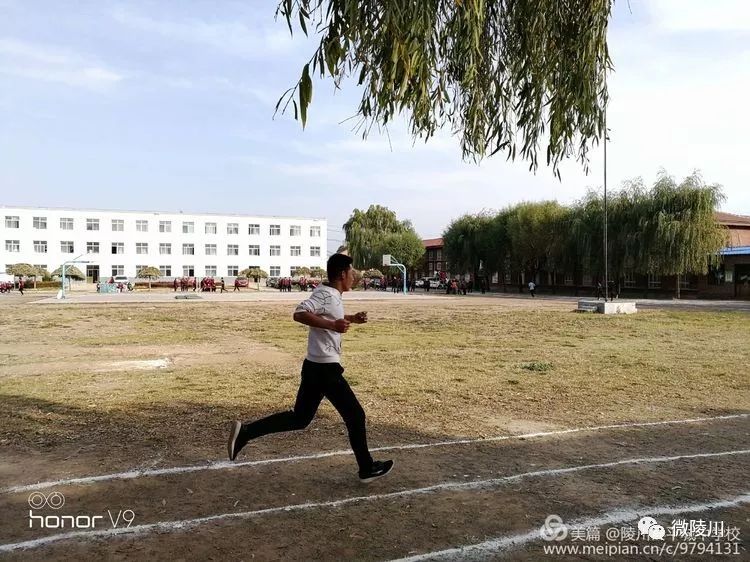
[[493, 546], [451, 486], [223, 465]]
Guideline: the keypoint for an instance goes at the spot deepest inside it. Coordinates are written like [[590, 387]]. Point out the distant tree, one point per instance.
[[149, 273]]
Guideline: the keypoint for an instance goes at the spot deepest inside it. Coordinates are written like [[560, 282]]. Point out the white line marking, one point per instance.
[[222, 465], [474, 485], [611, 517]]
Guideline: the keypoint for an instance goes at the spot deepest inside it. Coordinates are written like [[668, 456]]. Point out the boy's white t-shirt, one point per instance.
[[323, 346], [532, 285]]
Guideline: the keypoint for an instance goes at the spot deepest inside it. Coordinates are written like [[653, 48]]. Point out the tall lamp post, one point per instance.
[[64, 265], [606, 260]]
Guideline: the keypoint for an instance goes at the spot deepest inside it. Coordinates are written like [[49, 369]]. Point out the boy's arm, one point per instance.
[[311, 319], [359, 318]]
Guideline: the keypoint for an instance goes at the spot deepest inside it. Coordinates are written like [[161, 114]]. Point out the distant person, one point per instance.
[[611, 287], [236, 285], [20, 285], [599, 290], [223, 286], [322, 373], [175, 284], [532, 289]]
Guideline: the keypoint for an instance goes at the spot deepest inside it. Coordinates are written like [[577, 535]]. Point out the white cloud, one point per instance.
[[701, 15], [229, 37], [54, 64]]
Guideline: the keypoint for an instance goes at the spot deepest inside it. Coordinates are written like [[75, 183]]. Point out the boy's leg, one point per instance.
[[309, 397], [340, 394]]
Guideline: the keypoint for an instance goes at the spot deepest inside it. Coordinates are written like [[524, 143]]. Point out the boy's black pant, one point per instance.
[[319, 380]]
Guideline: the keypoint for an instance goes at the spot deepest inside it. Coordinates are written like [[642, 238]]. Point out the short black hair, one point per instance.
[[337, 264]]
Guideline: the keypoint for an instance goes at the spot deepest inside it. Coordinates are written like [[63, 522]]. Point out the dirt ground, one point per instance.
[[90, 390]]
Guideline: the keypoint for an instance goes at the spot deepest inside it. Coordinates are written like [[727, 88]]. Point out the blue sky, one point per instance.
[[168, 105]]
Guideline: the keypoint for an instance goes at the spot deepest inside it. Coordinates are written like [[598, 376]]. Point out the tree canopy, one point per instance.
[[149, 272], [378, 231], [669, 229], [71, 271], [24, 270], [503, 75]]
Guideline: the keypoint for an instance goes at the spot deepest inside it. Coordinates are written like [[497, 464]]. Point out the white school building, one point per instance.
[[179, 244]]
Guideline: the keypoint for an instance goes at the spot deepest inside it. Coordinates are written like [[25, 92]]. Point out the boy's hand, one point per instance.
[[341, 325], [360, 318]]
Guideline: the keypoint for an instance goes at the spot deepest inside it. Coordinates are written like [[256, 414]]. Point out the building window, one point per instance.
[[507, 277], [118, 270], [233, 228], [233, 270], [40, 223], [438, 266], [12, 222], [654, 281], [141, 226], [165, 249], [587, 280], [12, 245], [165, 226], [295, 230], [315, 231], [41, 266], [439, 255], [40, 246], [233, 250], [188, 227], [165, 270], [141, 247], [188, 271], [430, 267], [118, 247], [275, 271], [295, 250], [138, 269], [67, 247], [211, 270], [210, 249], [66, 224], [568, 278], [315, 251], [253, 229], [92, 247], [210, 228], [685, 281], [92, 224], [254, 250], [274, 230], [275, 250], [188, 249], [118, 225], [293, 270]]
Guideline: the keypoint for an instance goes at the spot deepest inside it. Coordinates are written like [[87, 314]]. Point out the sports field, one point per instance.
[[497, 412]]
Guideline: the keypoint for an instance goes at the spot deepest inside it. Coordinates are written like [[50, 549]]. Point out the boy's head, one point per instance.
[[340, 272]]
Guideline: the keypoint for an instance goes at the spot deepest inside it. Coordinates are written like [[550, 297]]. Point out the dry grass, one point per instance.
[[440, 367]]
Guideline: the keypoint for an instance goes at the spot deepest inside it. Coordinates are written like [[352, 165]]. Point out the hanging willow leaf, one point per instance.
[[497, 72]]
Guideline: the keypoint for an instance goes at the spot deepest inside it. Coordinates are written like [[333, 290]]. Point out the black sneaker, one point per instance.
[[378, 469], [234, 433]]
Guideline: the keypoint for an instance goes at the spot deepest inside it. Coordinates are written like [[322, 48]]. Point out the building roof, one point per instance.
[[730, 219], [153, 212], [433, 242]]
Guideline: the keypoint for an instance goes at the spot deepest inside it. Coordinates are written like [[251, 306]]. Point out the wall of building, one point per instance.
[[30, 233]]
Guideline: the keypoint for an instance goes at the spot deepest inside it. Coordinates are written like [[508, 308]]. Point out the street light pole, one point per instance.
[[606, 260]]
